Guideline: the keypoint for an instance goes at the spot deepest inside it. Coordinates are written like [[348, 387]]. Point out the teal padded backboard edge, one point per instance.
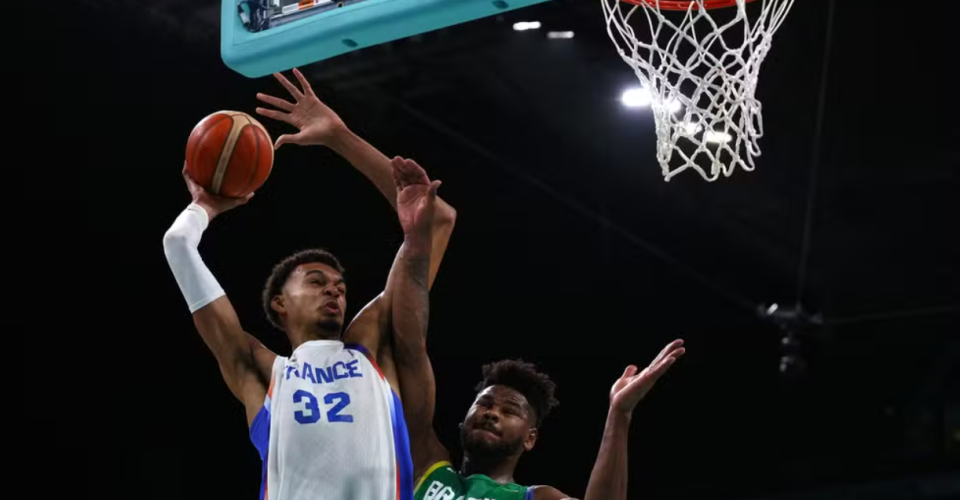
[[338, 31]]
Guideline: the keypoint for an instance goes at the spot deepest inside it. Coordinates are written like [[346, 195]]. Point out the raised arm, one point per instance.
[[410, 311], [608, 481], [244, 362], [317, 124]]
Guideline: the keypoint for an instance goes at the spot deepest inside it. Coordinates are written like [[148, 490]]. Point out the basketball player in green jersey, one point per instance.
[[503, 423]]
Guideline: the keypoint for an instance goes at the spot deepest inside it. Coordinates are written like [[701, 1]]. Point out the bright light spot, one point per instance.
[[674, 105], [524, 26], [641, 97], [717, 137], [773, 308], [691, 128], [560, 35], [636, 98]]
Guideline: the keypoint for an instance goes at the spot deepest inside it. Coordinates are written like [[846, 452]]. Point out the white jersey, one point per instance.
[[331, 428]]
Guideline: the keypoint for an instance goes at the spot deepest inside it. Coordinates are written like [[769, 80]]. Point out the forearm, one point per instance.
[[608, 481], [180, 242], [368, 160], [375, 166], [410, 296], [213, 315]]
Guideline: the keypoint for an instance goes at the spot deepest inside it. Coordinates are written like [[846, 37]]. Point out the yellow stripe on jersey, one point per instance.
[[430, 471]]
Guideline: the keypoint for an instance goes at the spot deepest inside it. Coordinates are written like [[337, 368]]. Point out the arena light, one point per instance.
[[560, 35], [717, 137], [526, 25], [636, 97], [641, 97]]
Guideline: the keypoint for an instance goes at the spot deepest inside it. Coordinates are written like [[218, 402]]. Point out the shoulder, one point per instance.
[[370, 320], [549, 493]]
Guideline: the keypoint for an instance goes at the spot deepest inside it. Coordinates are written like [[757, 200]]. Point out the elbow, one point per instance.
[[173, 238], [174, 242]]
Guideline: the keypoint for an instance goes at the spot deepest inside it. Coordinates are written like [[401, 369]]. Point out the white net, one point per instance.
[[700, 67]]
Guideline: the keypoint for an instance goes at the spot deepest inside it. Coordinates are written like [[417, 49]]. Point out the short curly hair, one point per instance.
[[281, 272], [525, 379]]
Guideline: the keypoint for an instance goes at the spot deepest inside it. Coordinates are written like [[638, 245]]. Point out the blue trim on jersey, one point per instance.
[[359, 347], [529, 494], [260, 435], [401, 442], [401, 439]]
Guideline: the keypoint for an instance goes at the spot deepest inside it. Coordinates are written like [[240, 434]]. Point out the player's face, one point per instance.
[[316, 294], [500, 423]]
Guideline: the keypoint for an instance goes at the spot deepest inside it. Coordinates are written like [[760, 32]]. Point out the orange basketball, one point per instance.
[[230, 154]]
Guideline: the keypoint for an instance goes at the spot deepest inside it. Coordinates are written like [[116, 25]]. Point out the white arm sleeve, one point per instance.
[[180, 243]]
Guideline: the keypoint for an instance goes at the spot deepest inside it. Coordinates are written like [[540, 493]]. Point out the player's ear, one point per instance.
[[531, 439], [277, 304]]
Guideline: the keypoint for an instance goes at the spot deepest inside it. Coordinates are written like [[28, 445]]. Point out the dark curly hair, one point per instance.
[[278, 277], [525, 379]]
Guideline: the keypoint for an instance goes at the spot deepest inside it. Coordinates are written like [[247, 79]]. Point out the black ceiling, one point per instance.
[[570, 248]]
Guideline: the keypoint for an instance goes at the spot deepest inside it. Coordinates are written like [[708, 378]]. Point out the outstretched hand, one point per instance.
[[213, 204], [632, 387], [416, 197], [317, 123]]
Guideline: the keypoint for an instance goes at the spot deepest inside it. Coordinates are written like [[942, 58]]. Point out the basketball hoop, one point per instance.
[[707, 58]]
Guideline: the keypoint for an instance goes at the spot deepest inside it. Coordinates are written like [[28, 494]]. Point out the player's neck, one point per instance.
[[500, 470], [298, 336]]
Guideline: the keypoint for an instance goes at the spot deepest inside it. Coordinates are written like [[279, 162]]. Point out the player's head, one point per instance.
[[306, 290], [512, 401]]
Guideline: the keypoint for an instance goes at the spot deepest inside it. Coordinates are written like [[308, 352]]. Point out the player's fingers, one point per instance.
[[397, 163], [276, 115], [659, 370], [432, 190], [668, 361], [289, 86], [280, 103], [630, 371], [407, 173], [287, 139], [672, 346], [417, 172], [398, 166], [401, 164], [186, 176], [307, 89]]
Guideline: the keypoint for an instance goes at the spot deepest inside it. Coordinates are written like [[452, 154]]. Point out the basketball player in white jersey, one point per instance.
[[327, 420]]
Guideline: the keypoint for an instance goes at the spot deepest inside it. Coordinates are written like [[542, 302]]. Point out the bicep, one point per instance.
[[236, 351], [549, 493]]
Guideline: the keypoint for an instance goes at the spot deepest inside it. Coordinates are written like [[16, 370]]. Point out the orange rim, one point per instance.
[[685, 4]]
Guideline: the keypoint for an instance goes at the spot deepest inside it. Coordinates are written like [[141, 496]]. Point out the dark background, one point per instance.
[[570, 251]]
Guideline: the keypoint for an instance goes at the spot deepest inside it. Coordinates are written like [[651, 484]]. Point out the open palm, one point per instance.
[[633, 386], [316, 122]]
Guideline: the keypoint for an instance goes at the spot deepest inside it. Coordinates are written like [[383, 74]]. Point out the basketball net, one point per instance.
[[700, 66]]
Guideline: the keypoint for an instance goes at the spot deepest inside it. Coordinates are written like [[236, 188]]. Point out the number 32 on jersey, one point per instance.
[[334, 403]]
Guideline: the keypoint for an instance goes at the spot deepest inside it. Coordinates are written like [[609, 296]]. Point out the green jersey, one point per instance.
[[442, 482]]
